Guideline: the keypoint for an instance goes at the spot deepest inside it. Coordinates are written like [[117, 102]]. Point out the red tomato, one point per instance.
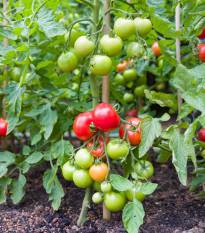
[[202, 35], [98, 152], [156, 49], [202, 53], [201, 135], [200, 45], [122, 66], [134, 137], [105, 117], [132, 113], [3, 127], [81, 126]]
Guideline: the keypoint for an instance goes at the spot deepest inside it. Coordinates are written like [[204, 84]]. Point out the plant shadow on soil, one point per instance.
[[170, 209]]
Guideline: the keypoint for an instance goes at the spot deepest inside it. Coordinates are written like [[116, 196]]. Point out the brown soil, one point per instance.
[[170, 209]]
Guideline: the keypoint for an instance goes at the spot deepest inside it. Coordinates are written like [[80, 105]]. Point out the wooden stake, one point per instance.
[[6, 43], [178, 55], [105, 92]]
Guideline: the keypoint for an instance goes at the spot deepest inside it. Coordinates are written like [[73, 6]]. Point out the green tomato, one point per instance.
[[111, 46], [106, 187], [139, 91], [128, 97], [81, 178], [83, 46], [101, 65], [97, 185], [138, 195], [129, 75], [16, 74], [115, 201], [76, 54], [130, 85], [67, 62], [74, 35], [135, 49], [97, 198], [67, 171], [117, 149], [124, 28], [119, 79], [143, 26], [160, 63], [144, 169], [84, 159]]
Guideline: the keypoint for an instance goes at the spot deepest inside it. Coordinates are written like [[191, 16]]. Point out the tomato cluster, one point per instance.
[[86, 167]]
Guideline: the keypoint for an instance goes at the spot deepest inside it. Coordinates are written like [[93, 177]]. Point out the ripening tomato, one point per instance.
[[67, 62], [81, 126], [3, 127], [124, 28], [98, 172], [105, 117], [202, 53], [156, 49], [134, 137], [74, 35], [135, 49], [83, 158], [138, 195], [115, 201], [98, 151], [67, 171], [84, 46], [143, 26], [132, 113], [201, 135], [101, 65], [117, 149], [121, 66], [144, 169], [111, 45], [119, 79], [202, 35], [97, 198], [129, 75], [81, 178]]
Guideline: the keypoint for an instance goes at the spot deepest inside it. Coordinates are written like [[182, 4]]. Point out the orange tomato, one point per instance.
[[98, 172], [120, 67], [156, 49]]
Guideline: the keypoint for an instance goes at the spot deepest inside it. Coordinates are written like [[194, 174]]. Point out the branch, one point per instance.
[[87, 3]]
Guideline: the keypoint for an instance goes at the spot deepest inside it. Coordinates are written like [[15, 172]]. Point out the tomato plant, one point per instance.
[[130, 194], [128, 97], [202, 53]]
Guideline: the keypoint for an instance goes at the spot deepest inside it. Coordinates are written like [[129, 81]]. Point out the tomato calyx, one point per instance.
[[93, 128]]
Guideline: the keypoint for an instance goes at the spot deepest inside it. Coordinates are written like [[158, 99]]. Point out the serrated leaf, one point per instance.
[[17, 191], [24, 167], [165, 117], [36, 139], [151, 128], [4, 182], [148, 188], [6, 159], [35, 157], [120, 183], [190, 132], [185, 110], [133, 214], [198, 179]]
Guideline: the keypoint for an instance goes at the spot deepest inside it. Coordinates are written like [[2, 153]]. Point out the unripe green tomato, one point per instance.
[[130, 85], [138, 195], [101, 65], [128, 97], [124, 28], [81, 178], [119, 79], [135, 49], [160, 62], [115, 201], [139, 91], [111, 46], [106, 187], [143, 26], [144, 169], [97, 198], [16, 74], [67, 62], [117, 149], [74, 35], [97, 186], [129, 75], [67, 171], [84, 159], [84, 46], [79, 58]]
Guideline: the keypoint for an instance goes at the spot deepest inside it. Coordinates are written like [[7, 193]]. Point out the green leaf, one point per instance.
[[202, 120], [7, 33], [34, 157], [151, 128], [26, 150], [133, 214], [148, 188], [198, 180], [46, 23], [165, 117], [199, 9], [24, 167], [43, 64], [190, 132], [163, 156], [6, 159], [36, 139], [184, 111], [4, 182], [195, 100], [127, 165], [17, 191], [120, 183]]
